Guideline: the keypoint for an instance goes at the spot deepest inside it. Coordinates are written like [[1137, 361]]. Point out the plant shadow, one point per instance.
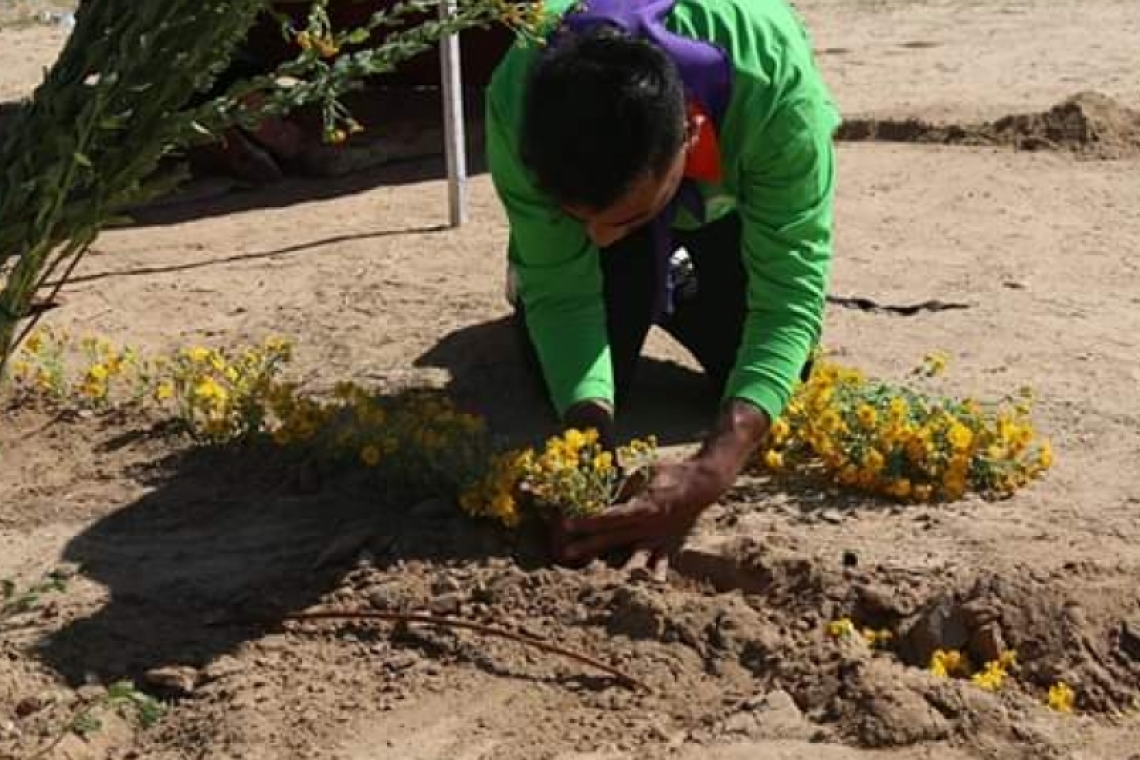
[[243, 533]]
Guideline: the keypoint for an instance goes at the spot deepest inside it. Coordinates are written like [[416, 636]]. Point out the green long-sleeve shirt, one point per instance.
[[778, 174]]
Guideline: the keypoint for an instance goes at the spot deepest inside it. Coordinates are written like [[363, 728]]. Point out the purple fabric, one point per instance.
[[707, 75]]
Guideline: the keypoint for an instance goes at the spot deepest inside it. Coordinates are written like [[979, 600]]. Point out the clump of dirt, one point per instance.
[[1088, 639], [1089, 124]]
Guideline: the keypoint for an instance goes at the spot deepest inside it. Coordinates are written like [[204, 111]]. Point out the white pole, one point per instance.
[[453, 130]]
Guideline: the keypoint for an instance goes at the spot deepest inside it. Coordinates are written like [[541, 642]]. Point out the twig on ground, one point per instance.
[[442, 622]]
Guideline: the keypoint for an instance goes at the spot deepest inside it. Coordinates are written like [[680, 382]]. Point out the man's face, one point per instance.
[[645, 199]]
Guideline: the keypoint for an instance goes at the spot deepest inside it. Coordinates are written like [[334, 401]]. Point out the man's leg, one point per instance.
[[628, 282], [710, 323]]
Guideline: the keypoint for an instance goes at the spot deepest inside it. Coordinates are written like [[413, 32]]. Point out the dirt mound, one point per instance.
[[1089, 124]]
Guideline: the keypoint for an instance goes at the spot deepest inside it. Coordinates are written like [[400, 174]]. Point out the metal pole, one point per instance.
[[453, 129]]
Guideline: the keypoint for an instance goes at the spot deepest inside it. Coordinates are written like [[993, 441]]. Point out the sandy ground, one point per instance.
[[362, 274]]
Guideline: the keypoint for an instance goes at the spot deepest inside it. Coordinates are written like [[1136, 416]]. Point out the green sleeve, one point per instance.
[[558, 269], [787, 184]]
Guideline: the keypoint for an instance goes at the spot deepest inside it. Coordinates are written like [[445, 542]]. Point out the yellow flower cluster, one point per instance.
[[495, 494], [222, 397], [897, 442], [43, 365], [845, 628], [217, 397], [954, 664], [949, 663], [573, 475], [1061, 697]]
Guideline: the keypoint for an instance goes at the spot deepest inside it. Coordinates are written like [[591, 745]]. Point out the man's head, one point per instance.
[[604, 130]]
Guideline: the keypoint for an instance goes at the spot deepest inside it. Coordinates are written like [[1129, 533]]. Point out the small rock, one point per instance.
[[386, 597], [880, 600], [850, 559], [833, 516], [987, 643], [445, 584], [177, 679], [402, 660], [638, 613], [446, 604], [979, 612], [741, 723], [9, 730], [775, 701], [28, 706], [940, 626], [91, 692]]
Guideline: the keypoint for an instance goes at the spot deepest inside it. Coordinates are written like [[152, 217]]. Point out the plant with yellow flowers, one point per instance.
[[951, 663], [217, 396], [572, 476], [222, 397], [898, 442], [844, 629]]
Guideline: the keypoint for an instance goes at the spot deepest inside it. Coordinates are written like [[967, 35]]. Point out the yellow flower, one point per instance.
[[326, 47], [960, 437], [34, 343], [829, 421], [198, 355], [304, 40], [574, 439], [900, 488], [1061, 697], [868, 416], [164, 391], [1045, 455], [949, 662], [774, 459], [370, 455], [208, 389], [923, 492], [898, 409], [935, 363], [873, 461], [780, 431], [97, 373], [842, 628]]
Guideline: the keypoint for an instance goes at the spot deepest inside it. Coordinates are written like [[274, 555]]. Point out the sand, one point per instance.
[[1037, 240]]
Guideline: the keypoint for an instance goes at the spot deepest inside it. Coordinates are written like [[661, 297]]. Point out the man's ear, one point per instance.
[[694, 122]]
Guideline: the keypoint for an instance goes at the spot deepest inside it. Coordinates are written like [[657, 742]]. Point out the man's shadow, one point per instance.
[[489, 373]]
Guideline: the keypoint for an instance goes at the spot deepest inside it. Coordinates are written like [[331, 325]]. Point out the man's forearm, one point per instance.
[[740, 429]]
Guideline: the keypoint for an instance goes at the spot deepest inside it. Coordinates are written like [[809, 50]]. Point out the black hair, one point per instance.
[[602, 110]]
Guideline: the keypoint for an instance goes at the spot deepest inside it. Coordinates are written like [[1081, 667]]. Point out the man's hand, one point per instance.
[[656, 522], [653, 523]]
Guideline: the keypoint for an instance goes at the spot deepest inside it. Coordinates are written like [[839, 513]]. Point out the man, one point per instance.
[[666, 162]]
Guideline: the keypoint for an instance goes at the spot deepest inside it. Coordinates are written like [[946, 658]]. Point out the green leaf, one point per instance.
[[150, 710], [120, 690], [86, 723]]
